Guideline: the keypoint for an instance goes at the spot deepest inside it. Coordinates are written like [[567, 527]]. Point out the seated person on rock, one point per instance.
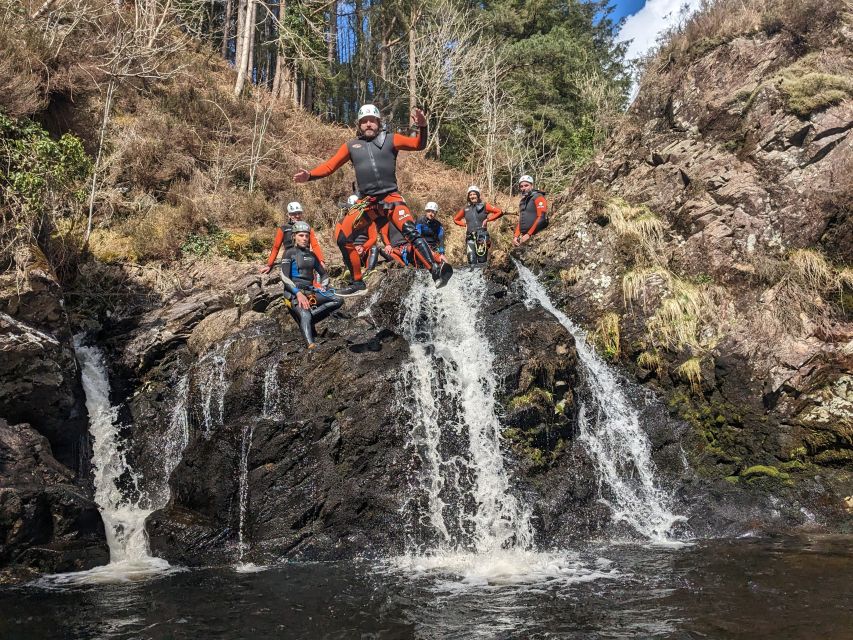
[[284, 237], [308, 304], [474, 216], [532, 212], [397, 247], [431, 229]]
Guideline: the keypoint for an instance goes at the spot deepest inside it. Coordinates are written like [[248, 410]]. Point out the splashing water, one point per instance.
[[245, 448], [612, 434], [124, 520], [455, 429]]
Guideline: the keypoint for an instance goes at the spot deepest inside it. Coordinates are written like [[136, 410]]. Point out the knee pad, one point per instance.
[[410, 231]]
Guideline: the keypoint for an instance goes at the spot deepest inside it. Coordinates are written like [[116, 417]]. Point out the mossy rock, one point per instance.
[[536, 397], [761, 470]]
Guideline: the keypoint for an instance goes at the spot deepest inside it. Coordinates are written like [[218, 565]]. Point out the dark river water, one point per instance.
[[747, 588]]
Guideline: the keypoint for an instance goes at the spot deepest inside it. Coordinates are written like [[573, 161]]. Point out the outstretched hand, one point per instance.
[[301, 176], [418, 117], [264, 269]]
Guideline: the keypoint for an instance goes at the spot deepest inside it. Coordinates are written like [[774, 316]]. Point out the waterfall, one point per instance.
[[449, 386], [611, 432], [245, 448], [214, 389], [272, 394], [124, 520]]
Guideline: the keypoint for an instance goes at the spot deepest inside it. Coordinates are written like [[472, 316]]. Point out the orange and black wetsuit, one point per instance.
[[472, 217], [284, 239], [532, 213], [397, 248], [298, 267], [365, 237], [375, 164]]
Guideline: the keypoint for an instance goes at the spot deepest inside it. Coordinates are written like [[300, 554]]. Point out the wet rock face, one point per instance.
[[739, 180], [46, 523], [326, 459], [39, 379]]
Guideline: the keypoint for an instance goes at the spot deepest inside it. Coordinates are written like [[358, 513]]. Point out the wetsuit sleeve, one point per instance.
[[441, 238], [322, 274], [517, 231], [493, 211], [541, 209], [459, 218], [286, 270], [371, 237], [385, 238], [276, 245], [412, 143], [333, 164], [315, 247]]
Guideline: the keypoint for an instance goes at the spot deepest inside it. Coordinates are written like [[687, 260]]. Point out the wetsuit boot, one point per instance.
[[441, 271]]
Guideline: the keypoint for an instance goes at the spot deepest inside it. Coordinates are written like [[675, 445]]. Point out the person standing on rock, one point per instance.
[[284, 237], [474, 216], [307, 303], [532, 212], [373, 154]]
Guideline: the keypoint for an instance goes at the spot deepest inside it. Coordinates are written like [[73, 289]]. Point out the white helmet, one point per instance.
[[431, 206], [525, 178], [352, 200], [474, 188], [294, 207], [368, 110]]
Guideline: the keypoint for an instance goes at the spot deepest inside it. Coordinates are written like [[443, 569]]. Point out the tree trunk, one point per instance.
[[226, 28], [413, 90], [239, 34], [245, 54], [332, 44]]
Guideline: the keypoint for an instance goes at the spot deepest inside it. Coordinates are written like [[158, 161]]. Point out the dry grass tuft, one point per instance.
[[811, 268], [606, 336], [637, 225], [685, 318], [651, 361], [691, 371], [571, 276], [636, 283]]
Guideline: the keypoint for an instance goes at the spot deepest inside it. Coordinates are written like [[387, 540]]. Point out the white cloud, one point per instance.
[[644, 26]]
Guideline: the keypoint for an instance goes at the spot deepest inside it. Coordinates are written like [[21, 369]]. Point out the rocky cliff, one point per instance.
[[708, 246]]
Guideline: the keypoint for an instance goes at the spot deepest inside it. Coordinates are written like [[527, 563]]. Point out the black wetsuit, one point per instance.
[[297, 274], [433, 232]]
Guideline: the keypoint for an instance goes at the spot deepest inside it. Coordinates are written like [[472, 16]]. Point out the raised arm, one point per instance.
[[413, 143]]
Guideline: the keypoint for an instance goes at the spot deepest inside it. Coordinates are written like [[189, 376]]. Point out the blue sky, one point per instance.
[[622, 8], [646, 19]]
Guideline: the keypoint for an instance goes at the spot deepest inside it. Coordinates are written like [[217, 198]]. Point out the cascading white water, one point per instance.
[[467, 489], [613, 436], [464, 519], [245, 448], [214, 389], [124, 520]]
